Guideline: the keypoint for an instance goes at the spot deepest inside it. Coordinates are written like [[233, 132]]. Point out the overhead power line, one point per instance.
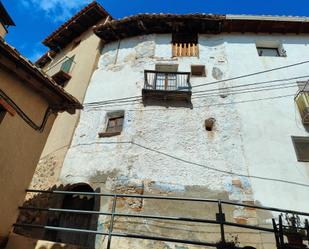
[[253, 74], [189, 162], [134, 98], [249, 90], [239, 89], [251, 84]]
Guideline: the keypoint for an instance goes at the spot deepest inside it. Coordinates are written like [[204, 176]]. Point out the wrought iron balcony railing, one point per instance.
[[167, 85]]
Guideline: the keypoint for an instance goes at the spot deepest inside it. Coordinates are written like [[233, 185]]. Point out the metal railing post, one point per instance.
[[155, 80], [111, 225], [281, 239], [221, 218], [276, 233]]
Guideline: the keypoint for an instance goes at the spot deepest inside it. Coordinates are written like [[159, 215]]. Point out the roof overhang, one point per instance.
[[5, 17], [75, 26], [199, 23], [143, 24], [31, 76]]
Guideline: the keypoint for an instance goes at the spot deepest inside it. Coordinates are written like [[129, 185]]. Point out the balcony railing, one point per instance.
[[167, 85], [302, 101], [61, 71], [217, 218]]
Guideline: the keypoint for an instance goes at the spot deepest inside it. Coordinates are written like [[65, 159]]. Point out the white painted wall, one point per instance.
[[252, 136]]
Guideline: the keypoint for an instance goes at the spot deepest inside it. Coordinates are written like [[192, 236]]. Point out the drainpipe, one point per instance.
[[116, 58]]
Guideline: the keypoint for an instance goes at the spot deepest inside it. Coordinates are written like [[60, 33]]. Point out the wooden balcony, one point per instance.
[[61, 77], [166, 86], [302, 101]]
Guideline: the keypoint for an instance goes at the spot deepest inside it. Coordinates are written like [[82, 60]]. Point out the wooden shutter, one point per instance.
[[66, 65], [115, 125], [184, 45]]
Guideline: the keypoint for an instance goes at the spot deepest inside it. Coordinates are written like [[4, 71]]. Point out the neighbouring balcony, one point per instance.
[[167, 86], [302, 101], [61, 71]]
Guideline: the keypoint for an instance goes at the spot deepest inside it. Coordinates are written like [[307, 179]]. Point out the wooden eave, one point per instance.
[[5, 17], [45, 58], [264, 26], [75, 26], [144, 24]]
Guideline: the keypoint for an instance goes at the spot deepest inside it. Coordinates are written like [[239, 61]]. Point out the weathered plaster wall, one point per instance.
[[248, 157], [241, 130], [20, 147], [267, 126]]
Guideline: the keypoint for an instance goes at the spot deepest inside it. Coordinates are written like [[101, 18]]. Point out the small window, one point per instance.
[[114, 124], [268, 51], [2, 113], [185, 45], [301, 146], [198, 71]]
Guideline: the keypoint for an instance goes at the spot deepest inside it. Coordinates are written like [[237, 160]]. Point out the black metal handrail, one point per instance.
[[220, 217], [167, 81]]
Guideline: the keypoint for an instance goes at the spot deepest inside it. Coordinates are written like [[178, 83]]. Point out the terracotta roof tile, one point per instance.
[[73, 19]]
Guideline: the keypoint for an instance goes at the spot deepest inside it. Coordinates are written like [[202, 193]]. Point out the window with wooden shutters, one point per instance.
[[301, 146], [185, 45], [114, 124]]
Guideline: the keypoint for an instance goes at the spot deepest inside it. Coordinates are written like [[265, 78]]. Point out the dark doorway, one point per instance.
[[77, 221]]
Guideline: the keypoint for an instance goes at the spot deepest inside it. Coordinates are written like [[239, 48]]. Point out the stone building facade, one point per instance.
[[190, 106]]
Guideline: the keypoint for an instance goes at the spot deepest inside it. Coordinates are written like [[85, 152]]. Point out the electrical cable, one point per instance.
[[24, 116], [214, 82], [240, 91], [252, 74], [247, 90], [251, 84], [187, 161]]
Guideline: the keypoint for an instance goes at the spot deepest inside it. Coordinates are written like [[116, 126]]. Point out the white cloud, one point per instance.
[[57, 10]]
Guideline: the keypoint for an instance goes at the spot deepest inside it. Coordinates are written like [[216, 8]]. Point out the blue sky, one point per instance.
[[35, 19]]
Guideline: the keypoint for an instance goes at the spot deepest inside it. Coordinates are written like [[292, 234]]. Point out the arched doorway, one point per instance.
[[75, 220]]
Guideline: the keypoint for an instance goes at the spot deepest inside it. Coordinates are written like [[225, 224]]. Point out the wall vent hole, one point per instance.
[[209, 124]]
